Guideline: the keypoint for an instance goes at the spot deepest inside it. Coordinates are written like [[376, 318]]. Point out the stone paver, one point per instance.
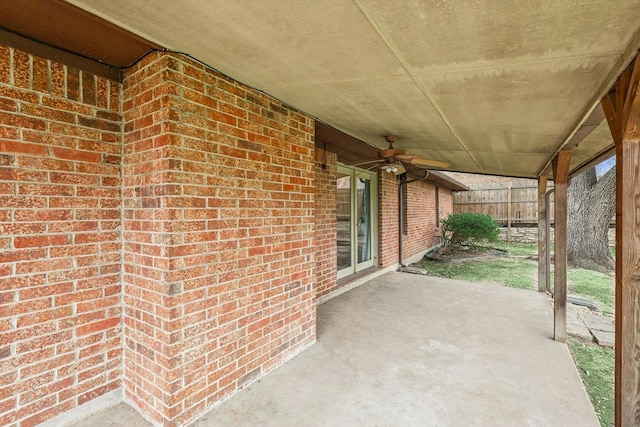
[[605, 339], [590, 325], [576, 327], [599, 322]]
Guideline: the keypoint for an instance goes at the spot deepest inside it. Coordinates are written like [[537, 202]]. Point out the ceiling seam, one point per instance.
[[447, 71], [515, 64], [386, 41]]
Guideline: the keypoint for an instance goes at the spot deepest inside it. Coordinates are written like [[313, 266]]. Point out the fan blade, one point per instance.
[[406, 157], [420, 161], [368, 162]]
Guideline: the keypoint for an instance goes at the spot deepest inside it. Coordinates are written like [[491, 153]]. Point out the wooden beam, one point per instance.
[[561, 166], [547, 238], [542, 235], [622, 109]]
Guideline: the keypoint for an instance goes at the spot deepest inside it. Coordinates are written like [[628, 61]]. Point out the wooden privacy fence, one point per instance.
[[509, 205]]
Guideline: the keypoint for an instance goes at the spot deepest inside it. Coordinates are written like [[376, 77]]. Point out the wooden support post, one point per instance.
[[547, 237], [542, 235], [509, 213], [560, 179], [622, 109]]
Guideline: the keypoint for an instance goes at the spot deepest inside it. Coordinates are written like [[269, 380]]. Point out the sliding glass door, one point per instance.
[[357, 197]]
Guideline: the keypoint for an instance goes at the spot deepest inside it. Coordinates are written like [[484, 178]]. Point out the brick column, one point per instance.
[[219, 236], [326, 223]]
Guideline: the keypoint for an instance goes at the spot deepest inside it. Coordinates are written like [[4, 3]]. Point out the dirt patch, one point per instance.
[[465, 254]]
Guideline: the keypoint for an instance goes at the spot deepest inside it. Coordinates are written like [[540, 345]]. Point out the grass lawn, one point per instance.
[[596, 365], [594, 362], [511, 272], [593, 285], [518, 249]]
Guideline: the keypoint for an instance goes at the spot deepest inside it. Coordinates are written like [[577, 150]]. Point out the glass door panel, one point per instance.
[[357, 208], [344, 234], [363, 215]]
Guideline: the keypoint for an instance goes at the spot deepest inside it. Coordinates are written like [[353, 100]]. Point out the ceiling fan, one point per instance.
[[392, 160]]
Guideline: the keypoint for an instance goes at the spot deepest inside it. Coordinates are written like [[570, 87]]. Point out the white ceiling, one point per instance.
[[489, 86]]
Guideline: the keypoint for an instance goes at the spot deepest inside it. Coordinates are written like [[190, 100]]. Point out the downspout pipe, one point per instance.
[[547, 233], [401, 208], [570, 298]]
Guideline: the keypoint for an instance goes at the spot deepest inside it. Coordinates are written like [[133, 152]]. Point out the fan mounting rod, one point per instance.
[[390, 152], [391, 139]]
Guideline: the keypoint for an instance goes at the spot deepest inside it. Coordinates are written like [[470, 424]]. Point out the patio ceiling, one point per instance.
[[489, 86]]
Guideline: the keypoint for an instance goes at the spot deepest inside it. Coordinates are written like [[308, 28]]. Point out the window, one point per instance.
[[357, 203]]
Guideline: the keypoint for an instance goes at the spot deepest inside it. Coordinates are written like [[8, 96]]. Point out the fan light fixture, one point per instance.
[[390, 168]]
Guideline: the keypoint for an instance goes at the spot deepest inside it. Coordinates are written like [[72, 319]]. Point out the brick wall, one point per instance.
[[60, 312], [220, 232], [446, 204], [421, 218], [168, 236], [388, 219], [326, 223], [421, 221]]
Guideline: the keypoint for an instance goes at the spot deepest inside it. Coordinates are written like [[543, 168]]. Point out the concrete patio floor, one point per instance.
[[408, 350]]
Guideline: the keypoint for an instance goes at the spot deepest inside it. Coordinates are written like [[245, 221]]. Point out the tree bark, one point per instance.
[[591, 205]]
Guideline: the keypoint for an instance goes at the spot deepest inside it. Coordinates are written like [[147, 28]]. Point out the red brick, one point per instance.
[[36, 241], [40, 417], [21, 69], [18, 94], [43, 215], [21, 255], [4, 63], [8, 105], [27, 175], [16, 120], [43, 316], [58, 86], [38, 189], [19, 147], [102, 94], [97, 326], [9, 133], [73, 84], [114, 96], [40, 74], [88, 88], [48, 114], [76, 155]]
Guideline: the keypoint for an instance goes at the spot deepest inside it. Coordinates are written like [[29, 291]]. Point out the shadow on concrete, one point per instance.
[[409, 350]]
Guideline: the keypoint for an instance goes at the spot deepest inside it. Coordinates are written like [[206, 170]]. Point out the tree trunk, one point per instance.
[[591, 205]]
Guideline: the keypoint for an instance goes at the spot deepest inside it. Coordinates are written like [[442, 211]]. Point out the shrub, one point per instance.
[[470, 229]]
